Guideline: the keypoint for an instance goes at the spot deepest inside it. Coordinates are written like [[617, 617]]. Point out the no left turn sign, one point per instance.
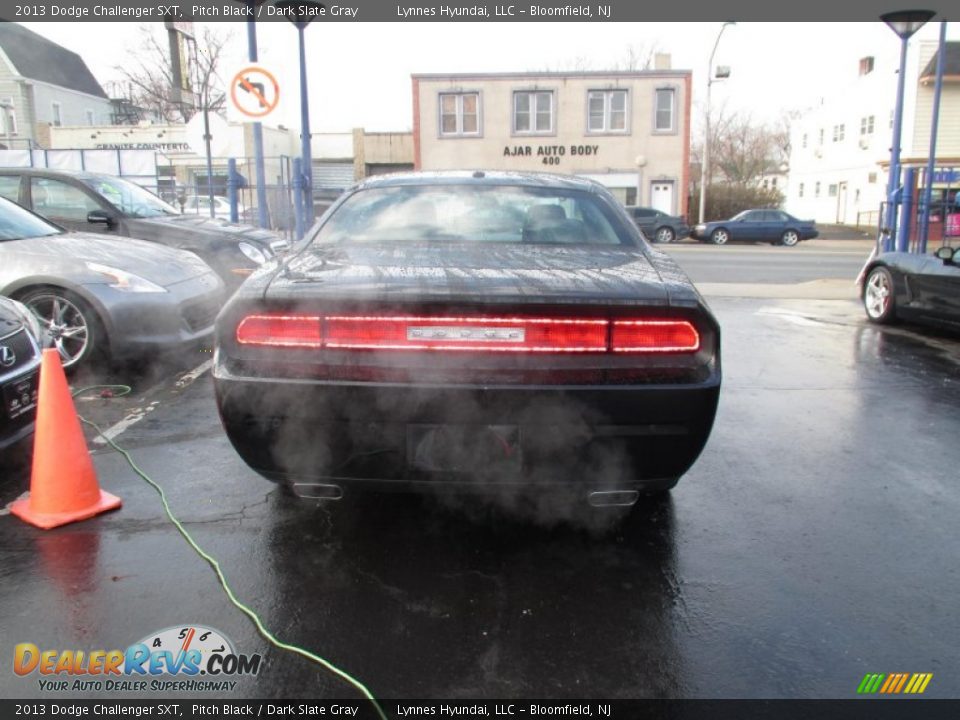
[[254, 94]]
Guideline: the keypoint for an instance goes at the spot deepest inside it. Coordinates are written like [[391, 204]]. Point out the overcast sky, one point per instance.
[[359, 73]]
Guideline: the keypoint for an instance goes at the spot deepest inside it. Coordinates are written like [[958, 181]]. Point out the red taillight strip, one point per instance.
[[280, 331], [380, 332], [661, 336], [539, 335]]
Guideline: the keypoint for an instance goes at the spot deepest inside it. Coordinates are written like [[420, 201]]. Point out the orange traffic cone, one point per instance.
[[63, 484]]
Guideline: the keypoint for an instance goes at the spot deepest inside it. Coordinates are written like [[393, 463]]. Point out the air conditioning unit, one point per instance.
[[865, 142]]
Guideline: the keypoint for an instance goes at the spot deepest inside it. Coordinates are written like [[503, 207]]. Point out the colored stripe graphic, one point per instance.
[[894, 683]]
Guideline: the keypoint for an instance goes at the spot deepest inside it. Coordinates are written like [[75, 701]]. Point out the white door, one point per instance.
[[842, 203], [661, 196]]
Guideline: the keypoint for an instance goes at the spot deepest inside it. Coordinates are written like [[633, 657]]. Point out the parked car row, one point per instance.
[[108, 205], [760, 225]]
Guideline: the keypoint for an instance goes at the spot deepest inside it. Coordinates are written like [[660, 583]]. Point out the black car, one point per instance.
[[421, 339], [658, 226], [764, 225], [906, 286], [105, 204], [20, 344]]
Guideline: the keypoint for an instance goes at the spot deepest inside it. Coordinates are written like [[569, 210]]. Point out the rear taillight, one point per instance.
[[301, 331], [484, 334], [640, 336], [470, 334]]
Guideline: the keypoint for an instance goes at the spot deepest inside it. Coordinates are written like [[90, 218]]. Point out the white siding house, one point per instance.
[[43, 84]]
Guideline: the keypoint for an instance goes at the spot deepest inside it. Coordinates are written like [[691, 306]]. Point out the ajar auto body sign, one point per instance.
[[550, 154]]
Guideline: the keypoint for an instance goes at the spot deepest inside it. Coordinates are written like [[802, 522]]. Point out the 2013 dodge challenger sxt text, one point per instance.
[[473, 331]]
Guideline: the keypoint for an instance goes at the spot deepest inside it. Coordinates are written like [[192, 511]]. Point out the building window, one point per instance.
[[804, 140], [838, 132], [607, 111], [533, 112], [57, 114], [91, 120], [773, 182], [832, 190], [866, 125], [459, 114], [816, 189], [866, 65], [665, 109], [891, 119], [800, 193], [821, 136], [9, 116], [856, 196], [872, 178]]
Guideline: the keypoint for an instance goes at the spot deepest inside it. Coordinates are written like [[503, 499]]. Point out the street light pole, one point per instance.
[[705, 163], [300, 13], [305, 150], [904, 23], [262, 219]]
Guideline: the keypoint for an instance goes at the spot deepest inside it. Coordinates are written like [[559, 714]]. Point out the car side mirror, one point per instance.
[[947, 254], [99, 217]]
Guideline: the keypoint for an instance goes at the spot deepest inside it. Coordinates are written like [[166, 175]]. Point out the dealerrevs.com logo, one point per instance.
[[184, 658]]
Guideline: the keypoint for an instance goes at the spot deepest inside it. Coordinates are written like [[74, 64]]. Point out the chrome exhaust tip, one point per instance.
[[613, 498], [317, 491]]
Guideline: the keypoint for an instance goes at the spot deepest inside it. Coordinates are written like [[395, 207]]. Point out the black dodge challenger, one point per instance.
[[470, 331]]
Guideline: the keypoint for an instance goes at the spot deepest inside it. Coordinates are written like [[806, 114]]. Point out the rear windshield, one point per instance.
[[473, 214]]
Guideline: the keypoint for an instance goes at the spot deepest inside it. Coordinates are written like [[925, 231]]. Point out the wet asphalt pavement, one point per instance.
[[814, 541]]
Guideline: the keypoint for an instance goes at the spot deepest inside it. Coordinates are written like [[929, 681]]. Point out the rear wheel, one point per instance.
[[720, 236], [878, 296], [73, 326], [666, 235], [790, 238]]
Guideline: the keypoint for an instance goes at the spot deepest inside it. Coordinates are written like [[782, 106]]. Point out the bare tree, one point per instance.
[[149, 76], [741, 149], [637, 56]]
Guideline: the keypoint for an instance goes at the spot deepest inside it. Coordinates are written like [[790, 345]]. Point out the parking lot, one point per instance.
[[814, 541]]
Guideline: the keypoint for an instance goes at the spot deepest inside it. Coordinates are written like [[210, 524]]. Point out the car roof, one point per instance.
[[76, 174], [481, 178]]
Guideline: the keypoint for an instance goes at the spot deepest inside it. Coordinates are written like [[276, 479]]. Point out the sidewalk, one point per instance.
[[846, 232]]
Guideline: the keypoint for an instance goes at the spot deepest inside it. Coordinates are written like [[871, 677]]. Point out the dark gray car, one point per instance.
[[96, 294], [104, 204], [19, 368], [658, 226]]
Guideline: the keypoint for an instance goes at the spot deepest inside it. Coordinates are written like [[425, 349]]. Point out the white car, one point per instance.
[[200, 205]]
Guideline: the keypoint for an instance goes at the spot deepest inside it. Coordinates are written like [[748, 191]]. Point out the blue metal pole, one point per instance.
[[893, 182], [232, 189], [906, 209], [305, 133], [298, 197], [934, 127], [262, 217]]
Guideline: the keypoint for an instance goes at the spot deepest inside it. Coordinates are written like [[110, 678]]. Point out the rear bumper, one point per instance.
[[467, 436]]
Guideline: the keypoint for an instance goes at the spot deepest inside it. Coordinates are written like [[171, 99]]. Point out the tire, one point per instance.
[[789, 238], [665, 235], [879, 296], [74, 327], [720, 236]]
